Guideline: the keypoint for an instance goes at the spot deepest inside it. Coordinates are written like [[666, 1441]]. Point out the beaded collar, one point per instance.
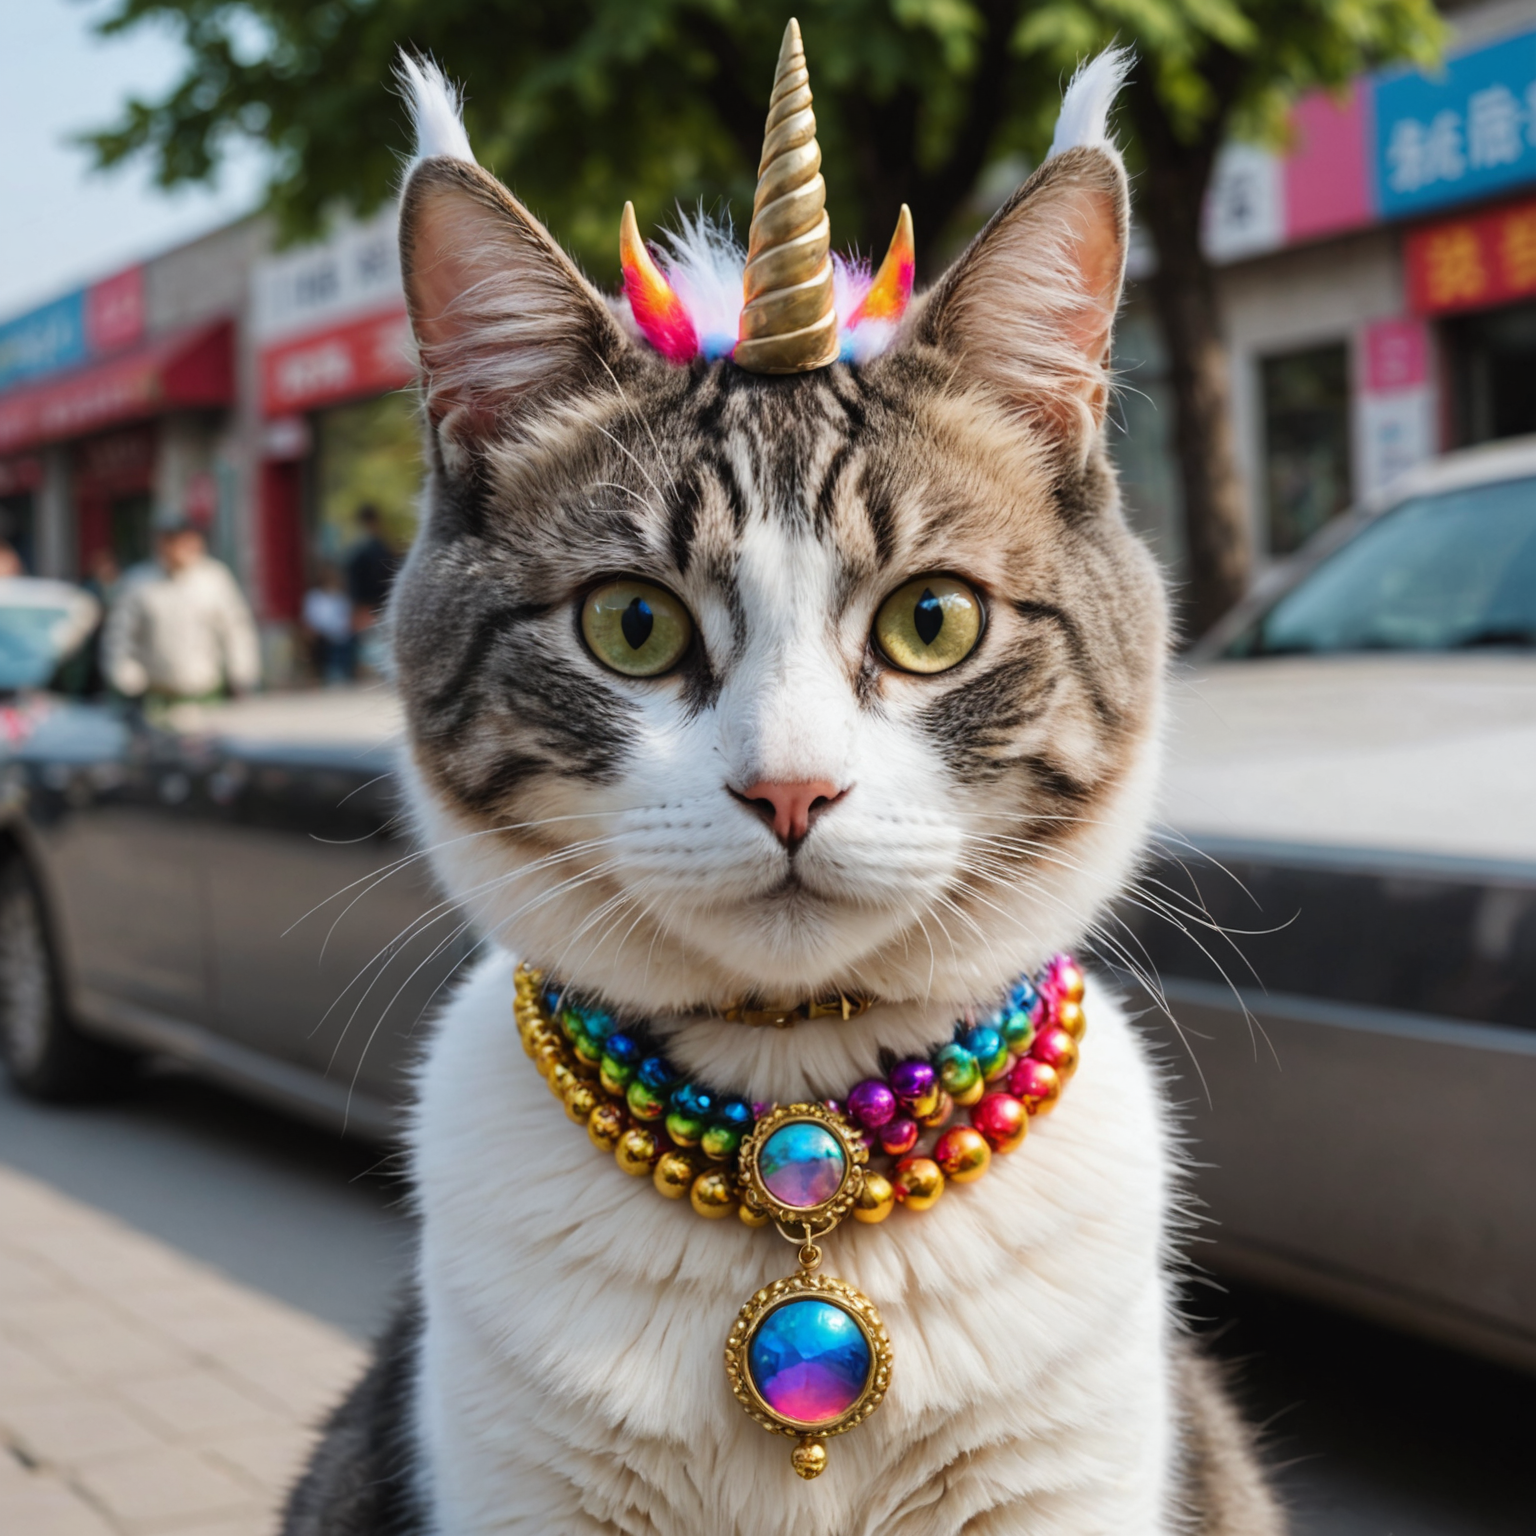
[[808, 1355]]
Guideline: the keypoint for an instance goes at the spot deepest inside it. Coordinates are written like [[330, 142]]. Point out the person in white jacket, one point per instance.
[[180, 627]]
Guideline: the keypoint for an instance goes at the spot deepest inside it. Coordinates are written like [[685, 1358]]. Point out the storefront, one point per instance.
[[107, 425], [1369, 326], [339, 428]]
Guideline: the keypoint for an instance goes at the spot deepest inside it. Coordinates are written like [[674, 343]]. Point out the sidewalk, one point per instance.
[[143, 1394]]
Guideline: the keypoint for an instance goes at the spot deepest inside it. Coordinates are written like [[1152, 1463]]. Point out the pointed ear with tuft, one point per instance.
[[504, 321], [1027, 310]]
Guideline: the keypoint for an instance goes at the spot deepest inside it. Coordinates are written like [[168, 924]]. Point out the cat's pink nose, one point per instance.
[[791, 808]]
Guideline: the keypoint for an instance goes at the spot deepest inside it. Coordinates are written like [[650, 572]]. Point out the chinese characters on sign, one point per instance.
[[1473, 262], [1465, 131]]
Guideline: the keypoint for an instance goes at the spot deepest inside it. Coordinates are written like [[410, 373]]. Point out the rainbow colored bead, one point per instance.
[[802, 1164]]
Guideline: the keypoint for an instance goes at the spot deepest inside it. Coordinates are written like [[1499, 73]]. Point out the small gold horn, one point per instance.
[[788, 322]]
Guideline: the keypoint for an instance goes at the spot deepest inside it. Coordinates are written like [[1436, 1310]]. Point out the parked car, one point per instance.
[[230, 885], [1352, 798]]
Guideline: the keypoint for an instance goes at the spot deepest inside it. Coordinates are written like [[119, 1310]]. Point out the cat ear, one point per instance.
[[503, 319], [1029, 307]]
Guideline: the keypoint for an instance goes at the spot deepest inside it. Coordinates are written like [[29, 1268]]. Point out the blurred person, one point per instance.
[[10, 561], [327, 616], [371, 569], [104, 576], [181, 629]]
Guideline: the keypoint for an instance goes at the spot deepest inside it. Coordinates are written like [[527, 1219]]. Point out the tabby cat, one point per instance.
[[773, 807]]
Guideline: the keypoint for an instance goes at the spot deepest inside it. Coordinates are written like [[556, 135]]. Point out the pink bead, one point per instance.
[[871, 1103], [898, 1136]]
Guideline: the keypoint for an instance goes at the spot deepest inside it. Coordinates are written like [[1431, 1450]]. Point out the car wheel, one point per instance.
[[44, 1054]]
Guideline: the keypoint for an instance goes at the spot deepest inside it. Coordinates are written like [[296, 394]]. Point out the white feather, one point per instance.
[[436, 110], [1084, 119], [704, 265]]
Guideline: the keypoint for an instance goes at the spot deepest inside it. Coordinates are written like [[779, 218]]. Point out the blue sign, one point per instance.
[[1465, 131], [44, 340]]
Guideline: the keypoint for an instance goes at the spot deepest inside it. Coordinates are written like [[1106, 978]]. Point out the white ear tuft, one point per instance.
[[435, 110], [1084, 118]]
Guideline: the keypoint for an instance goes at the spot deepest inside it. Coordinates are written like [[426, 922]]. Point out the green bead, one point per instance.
[[720, 1142], [646, 1103], [571, 1024], [959, 1071], [993, 1067], [1018, 1031], [588, 1051], [685, 1130], [615, 1076]]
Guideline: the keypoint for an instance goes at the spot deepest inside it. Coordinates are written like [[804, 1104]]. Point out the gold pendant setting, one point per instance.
[[808, 1355]]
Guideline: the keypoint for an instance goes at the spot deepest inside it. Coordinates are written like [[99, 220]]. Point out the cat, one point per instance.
[[782, 814]]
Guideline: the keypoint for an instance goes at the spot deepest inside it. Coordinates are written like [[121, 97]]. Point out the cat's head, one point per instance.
[[725, 684]]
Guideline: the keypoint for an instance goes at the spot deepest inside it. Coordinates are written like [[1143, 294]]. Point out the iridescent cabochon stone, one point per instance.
[[809, 1361], [802, 1164]]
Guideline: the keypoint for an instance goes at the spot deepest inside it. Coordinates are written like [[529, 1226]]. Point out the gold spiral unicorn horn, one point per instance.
[[788, 323]]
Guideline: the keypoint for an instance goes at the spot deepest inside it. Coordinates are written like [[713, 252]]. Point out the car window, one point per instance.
[[1439, 573], [31, 644]]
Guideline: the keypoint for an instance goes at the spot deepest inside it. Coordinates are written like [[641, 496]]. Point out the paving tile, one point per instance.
[[72, 1429], [45, 1507], [23, 1278], [271, 1459], [25, 1377], [302, 1384], [196, 1403], [166, 1482]]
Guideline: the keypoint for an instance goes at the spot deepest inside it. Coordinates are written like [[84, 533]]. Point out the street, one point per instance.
[[1374, 1434]]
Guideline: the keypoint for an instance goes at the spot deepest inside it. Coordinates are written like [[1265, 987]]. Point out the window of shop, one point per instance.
[[1306, 442], [368, 454], [1493, 361]]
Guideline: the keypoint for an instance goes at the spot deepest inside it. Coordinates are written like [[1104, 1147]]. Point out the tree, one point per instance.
[[579, 104]]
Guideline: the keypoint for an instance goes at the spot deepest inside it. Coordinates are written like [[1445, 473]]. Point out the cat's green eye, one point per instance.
[[929, 625], [636, 628]]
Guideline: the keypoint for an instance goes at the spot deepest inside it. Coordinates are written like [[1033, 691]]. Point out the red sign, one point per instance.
[[1473, 263], [192, 368], [362, 357]]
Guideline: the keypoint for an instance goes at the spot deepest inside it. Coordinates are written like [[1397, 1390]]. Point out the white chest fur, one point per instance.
[[572, 1376]]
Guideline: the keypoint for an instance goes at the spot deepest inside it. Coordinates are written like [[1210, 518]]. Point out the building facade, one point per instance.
[[1378, 281], [1378, 286]]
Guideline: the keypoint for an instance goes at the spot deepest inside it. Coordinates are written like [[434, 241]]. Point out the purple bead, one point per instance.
[[898, 1137], [911, 1080], [871, 1103], [760, 1108]]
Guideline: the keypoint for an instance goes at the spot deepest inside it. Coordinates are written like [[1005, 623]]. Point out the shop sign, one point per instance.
[[90, 322], [1472, 263], [361, 357], [1395, 403], [356, 272], [1465, 130]]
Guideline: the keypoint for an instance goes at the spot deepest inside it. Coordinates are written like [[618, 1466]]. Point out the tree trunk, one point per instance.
[[1183, 290]]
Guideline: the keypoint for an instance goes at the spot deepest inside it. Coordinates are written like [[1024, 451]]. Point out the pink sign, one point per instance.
[[1396, 356], [1326, 184], [114, 311]]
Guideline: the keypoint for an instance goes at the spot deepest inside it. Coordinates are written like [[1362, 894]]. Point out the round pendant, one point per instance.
[[809, 1357], [803, 1165]]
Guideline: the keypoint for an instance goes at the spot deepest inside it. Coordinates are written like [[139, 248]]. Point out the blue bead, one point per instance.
[[983, 1042], [691, 1101], [736, 1113], [553, 997], [624, 1049], [599, 1024], [656, 1072], [1024, 995]]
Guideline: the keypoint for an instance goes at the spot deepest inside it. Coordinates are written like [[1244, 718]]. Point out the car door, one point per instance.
[[111, 799], [330, 945]]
